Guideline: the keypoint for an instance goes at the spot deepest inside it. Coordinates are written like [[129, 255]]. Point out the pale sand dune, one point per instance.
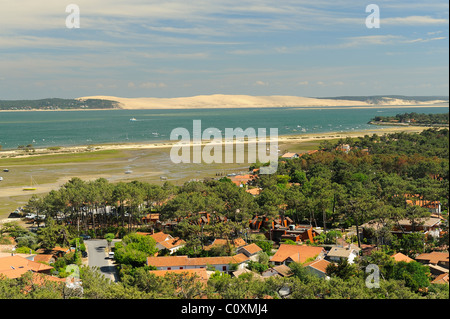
[[245, 101], [224, 101]]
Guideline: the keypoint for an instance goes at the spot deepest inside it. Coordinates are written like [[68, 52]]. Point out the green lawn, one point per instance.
[[62, 158]]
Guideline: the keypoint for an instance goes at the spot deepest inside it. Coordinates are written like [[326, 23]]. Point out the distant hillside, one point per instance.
[[57, 104], [393, 99]]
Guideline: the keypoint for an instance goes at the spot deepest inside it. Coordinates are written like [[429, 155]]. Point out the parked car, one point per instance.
[[85, 237]]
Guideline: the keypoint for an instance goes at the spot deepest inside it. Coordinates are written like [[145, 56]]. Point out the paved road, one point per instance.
[[97, 257]]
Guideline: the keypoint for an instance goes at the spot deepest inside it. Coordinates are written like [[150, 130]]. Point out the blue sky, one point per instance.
[[142, 48]]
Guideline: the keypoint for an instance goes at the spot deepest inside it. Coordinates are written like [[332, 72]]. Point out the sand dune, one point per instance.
[[243, 101], [224, 101]]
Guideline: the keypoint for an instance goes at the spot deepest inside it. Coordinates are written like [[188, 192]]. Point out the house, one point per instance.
[[165, 241], [150, 218], [428, 225], [242, 180], [56, 252], [200, 274], [318, 268], [367, 249], [343, 148], [441, 279], [296, 253], [289, 155], [349, 252], [434, 258], [44, 258], [159, 236], [15, 266], [400, 257], [436, 270], [251, 251], [254, 191], [288, 231], [183, 262], [172, 245], [433, 207], [280, 270], [242, 271]]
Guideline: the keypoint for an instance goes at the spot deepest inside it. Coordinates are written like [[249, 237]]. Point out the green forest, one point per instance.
[[57, 104], [414, 118], [331, 188]]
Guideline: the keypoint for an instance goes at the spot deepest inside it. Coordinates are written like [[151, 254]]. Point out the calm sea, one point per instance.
[[71, 128]]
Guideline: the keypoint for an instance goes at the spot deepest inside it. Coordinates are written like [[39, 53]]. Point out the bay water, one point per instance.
[[73, 128]]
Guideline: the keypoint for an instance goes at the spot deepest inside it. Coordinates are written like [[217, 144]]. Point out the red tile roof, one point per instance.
[[441, 279], [184, 261], [200, 272], [171, 243], [160, 236], [16, 266], [434, 257], [238, 242], [400, 257], [320, 265], [298, 253], [252, 248]]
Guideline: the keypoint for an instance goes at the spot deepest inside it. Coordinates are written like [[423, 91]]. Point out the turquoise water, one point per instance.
[[71, 128]]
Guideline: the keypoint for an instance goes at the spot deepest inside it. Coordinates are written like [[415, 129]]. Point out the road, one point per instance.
[[97, 257]]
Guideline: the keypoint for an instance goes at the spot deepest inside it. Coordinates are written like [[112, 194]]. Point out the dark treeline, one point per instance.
[[55, 103], [415, 118]]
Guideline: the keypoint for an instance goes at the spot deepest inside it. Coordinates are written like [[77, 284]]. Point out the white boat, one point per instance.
[[133, 119]]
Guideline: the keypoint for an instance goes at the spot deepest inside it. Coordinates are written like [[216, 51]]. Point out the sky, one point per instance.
[[172, 48]]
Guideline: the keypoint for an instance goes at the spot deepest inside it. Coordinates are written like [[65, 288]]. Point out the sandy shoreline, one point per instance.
[[297, 138]]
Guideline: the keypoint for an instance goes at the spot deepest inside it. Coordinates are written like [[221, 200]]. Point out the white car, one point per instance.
[[1, 178]]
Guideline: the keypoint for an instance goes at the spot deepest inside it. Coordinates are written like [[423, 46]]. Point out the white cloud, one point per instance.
[[152, 85], [261, 83], [413, 21], [303, 83], [425, 40]]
